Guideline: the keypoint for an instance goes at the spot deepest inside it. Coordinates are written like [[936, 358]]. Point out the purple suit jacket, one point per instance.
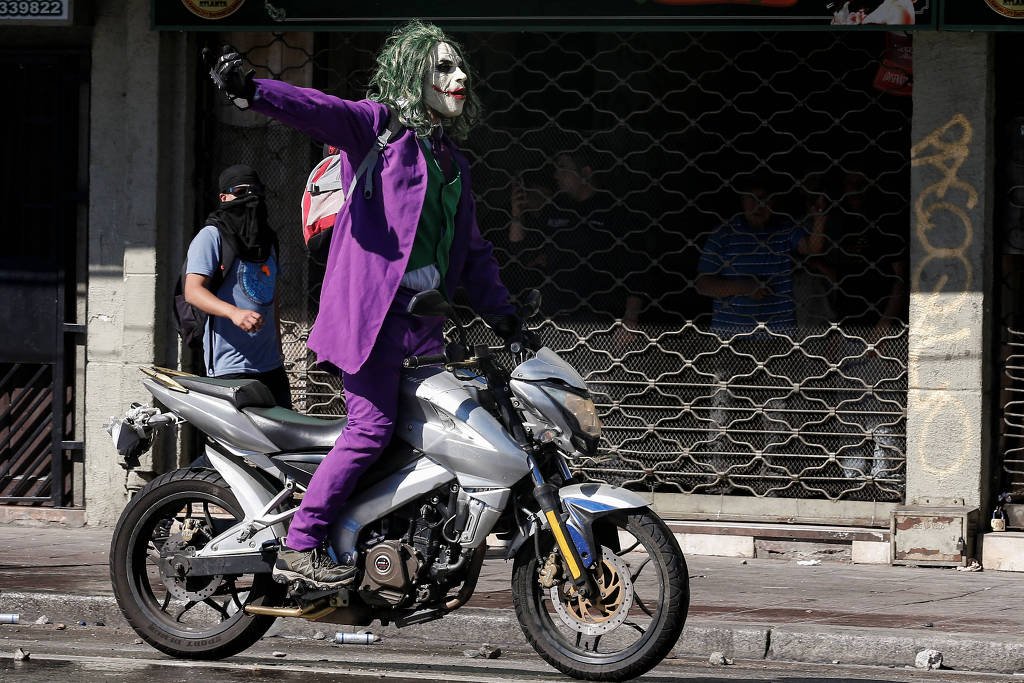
[[373, 237]]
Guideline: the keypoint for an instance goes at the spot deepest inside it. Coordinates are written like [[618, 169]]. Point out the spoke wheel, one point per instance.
[[635, 620], [197, 617]]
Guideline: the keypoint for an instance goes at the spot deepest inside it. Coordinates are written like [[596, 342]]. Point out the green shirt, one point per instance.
[[436, 229]]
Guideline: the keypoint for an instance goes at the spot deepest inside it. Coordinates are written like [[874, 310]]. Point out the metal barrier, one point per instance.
[[666, 130]]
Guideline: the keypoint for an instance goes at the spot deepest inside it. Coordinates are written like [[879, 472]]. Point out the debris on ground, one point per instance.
[[137, 641], [360, 638], [485, 651], [319, 635], [279, 654], [928, 659], [809, 563], [719, 659], [21, 655], [43, 620], [974, 566], [60, 627]]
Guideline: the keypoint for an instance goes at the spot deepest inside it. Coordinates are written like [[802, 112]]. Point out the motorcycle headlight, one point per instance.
[[580, 408]]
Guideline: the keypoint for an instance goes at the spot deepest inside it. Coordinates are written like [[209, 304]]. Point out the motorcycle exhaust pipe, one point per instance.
[[311, 612]]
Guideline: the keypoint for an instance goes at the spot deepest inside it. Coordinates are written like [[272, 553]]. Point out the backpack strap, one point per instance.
[[387, 136], [227, 259]]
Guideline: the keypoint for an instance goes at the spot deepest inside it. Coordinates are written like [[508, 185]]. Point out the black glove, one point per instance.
[[509, 328], [230, 73]]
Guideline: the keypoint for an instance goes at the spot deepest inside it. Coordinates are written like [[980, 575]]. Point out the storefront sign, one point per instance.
[[36, 12], [547, 15], [212, 9], [983, 15], [1014, 9]]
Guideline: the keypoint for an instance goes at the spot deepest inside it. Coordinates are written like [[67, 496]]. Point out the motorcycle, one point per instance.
[[599, 584]]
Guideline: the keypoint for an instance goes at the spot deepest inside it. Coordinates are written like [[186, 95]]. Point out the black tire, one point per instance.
[[643, 616], [166, 610]]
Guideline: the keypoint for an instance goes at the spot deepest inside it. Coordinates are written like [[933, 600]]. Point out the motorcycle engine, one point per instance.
[[389, 568]]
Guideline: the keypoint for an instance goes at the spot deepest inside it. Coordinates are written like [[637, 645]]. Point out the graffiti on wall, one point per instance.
[[943, 282]]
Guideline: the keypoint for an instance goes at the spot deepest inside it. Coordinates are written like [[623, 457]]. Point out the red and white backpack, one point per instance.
[[324, 194]]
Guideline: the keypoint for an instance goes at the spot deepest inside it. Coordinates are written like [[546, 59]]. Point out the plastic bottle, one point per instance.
[[9, 618]]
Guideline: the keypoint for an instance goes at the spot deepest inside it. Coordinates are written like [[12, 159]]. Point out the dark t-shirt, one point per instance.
[[585, 257]]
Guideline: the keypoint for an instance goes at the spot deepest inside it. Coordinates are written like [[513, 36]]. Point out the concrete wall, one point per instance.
[[139, 178], [950, 269]]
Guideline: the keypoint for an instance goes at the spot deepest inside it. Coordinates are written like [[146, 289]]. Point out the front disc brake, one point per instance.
[[591, 617]]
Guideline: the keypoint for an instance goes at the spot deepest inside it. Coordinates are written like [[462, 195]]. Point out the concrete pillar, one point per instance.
[[140, 199], [951, 266]]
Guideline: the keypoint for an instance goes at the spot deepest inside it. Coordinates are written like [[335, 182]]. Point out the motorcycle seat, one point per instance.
[[241, 393], [292, 431], [396, 455]]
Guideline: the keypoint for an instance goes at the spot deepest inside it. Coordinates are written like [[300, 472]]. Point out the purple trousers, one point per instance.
[[371, 400]]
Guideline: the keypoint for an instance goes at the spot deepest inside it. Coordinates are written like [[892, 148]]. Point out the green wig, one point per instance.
[[398, 81]]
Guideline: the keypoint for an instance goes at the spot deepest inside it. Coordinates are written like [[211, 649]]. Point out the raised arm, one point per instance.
[[345, 124]]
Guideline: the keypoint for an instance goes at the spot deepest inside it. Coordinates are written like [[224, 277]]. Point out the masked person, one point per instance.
[[410, 226], [242, 337]]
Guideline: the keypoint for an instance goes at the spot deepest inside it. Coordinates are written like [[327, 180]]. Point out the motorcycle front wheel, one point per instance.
[[197, 617], [645, 595]]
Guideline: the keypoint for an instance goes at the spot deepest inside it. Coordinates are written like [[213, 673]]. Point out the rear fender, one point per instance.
[[255, 496]]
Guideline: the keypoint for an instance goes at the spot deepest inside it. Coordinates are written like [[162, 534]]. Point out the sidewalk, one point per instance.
[[748, 609]]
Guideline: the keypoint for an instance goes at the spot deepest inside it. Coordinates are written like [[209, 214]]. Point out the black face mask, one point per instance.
[[244, 221]]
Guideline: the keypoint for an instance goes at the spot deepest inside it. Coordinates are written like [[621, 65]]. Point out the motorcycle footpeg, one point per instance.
[[312, 594]]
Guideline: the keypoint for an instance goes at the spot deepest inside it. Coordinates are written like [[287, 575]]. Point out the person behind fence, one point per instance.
[[870, 258], [410, 226], [242, 339], [814, 278], [582, 251], [746, 265]]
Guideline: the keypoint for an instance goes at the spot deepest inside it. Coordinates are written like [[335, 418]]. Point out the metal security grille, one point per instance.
[[32, 469], [664, 133], [1010, 233]]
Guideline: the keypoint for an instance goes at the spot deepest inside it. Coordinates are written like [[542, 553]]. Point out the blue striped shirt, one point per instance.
[[737, 250]]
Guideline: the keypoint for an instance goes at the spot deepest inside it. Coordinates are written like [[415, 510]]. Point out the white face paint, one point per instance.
[[444, 82]]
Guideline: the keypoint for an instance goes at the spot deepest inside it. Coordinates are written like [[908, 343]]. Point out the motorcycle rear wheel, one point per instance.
[[185, 617], [645, 595]]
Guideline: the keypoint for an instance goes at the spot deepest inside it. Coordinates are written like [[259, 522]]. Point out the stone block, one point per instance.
[[870, 552], [715, 544], [1003, 551]]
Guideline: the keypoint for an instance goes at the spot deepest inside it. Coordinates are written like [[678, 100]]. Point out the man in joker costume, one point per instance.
[[417, 230]]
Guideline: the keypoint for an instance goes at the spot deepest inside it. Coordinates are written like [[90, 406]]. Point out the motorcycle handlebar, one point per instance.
[[420, 361]]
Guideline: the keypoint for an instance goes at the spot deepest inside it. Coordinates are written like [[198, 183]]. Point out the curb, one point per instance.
[[816, 644]]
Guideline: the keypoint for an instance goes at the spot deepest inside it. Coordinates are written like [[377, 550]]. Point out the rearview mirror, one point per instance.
[[429, 304], [530, 305]]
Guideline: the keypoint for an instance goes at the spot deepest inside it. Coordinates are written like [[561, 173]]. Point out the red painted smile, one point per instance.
[[458, 93]]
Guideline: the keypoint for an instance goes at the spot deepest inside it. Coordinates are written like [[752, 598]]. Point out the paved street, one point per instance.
[[758, 611], [93, 653]]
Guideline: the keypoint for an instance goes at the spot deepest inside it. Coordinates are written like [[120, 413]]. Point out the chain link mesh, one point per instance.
[[663, 129]]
